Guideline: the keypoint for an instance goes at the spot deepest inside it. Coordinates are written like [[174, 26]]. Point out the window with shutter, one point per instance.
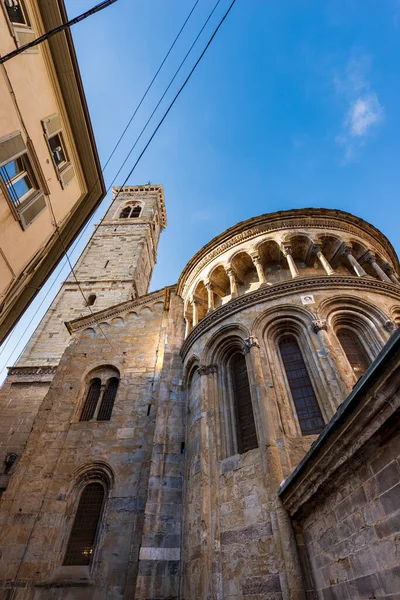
[[19, 22], [91, 401], [53, 131], [18, 180], [306, 404], [107, 402], [245, 425], [84, 529], [354, 350]]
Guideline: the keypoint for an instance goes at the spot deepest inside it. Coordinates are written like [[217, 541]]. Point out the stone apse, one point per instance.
[[172, 418]]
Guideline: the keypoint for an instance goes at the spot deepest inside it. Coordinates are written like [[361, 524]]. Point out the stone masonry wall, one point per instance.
[[37, 510], [352, 535]]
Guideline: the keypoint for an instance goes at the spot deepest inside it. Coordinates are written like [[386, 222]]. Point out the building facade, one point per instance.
[[50, 176], [145, 452]]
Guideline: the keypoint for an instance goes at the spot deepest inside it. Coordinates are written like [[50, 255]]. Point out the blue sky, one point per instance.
[[295, 104]]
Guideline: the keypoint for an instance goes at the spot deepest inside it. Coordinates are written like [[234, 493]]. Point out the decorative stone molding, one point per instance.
[[319, 325], [390, 326], [325, 219], [207, 369], [148, 299], [287, 288], [22, 371], [249, 343]]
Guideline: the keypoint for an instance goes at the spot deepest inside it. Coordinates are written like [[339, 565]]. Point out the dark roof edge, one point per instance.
[[390, 350]]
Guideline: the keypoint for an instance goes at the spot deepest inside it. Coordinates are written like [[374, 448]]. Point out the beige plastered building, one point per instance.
[[50, 174], [231, 437]]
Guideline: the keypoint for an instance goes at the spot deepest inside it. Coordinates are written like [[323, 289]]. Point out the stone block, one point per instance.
[[388, 477], [391, 500], [261, 585]]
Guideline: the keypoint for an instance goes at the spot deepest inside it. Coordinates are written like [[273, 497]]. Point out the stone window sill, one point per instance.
[[68, 577]]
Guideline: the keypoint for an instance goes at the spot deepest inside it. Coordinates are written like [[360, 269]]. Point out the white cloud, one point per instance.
[[365, 110]]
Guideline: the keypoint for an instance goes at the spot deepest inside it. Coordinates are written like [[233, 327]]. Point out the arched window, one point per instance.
[[307, 408], [245, 426], [91, 401], [136, 210], [83, 533], [354, 350], [130, 211], [91, 300], [107, 402], [125, 212]]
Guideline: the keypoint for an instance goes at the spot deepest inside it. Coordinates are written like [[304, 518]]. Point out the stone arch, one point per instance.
[[395, 315], [221, 286], [191, 366], [303, 254], [359, 307], [225, 353], [245, 270], [272, 260], [98, 474], [200, 297], [129, 204], [296, 322]]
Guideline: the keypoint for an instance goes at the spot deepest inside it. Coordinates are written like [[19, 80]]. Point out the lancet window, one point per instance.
[[100, 397], [301, 389], [86, 523], [246, 434], [354, 350]]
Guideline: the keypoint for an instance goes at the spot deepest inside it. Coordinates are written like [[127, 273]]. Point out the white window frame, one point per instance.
[[23, 33]]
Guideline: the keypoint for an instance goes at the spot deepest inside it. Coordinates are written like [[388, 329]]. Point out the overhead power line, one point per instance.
[[97, 180], [155, 131], [49, 34]]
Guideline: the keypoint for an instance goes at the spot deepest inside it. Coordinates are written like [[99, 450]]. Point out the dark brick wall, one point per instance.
[[352, 536]]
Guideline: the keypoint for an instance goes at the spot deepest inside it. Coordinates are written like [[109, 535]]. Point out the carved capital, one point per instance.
[[230, 272], [286, 248], [208, 285], [319, 325], [249, 343], [255, 257], [370, 257], [389, 326], [207, 369]]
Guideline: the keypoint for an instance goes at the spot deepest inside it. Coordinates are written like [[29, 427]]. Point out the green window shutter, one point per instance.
[[29, 212], [52, 125], [11, 147]]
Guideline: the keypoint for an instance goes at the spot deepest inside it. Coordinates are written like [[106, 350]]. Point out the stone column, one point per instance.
[[323, 260], [287, 253], [233, 281], [343, 381], [188, 326], [293, 587], [359, 271], [371, 258], [391, 274], [195, 305], [260, 271], [210, 295], [210, 568]]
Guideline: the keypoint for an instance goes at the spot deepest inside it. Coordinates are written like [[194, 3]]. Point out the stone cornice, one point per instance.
[[23, 371], [118, 309], [292, 219], [277, 290], [127, 189]]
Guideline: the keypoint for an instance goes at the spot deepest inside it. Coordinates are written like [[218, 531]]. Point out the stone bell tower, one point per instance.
[[115, 266]]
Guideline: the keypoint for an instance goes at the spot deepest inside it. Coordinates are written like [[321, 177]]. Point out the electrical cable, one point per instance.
[[165, 92], [98, 179], [163, 119], [156, 130]]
